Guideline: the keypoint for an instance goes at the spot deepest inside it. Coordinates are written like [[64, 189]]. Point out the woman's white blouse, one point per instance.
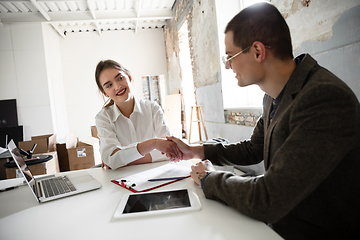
[[117, 131]]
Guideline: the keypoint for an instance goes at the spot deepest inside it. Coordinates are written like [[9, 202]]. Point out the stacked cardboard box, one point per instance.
[[46, 145], [49, 167], [75, 155]]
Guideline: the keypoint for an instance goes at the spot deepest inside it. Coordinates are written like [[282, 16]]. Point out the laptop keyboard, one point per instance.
[[56, 186]]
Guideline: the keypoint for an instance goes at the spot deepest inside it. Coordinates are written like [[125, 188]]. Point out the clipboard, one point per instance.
[[170, 172]]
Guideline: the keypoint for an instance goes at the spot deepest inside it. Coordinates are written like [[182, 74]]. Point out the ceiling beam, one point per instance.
[[41, 10], [115, 20], [137, 15], [58, 30], [90, 5], [97, 28], [48, 0], [83, 16]]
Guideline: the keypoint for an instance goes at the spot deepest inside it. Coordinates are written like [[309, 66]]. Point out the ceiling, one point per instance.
[[71, 16]]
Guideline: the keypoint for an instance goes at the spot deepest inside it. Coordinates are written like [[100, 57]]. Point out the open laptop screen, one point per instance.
[[19, 160]]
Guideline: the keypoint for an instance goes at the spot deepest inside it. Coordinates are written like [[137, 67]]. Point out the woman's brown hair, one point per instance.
[[102, 65]]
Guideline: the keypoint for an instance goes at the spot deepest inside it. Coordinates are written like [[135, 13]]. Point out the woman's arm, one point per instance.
[[113, 153], [145, 159], [166, 147]]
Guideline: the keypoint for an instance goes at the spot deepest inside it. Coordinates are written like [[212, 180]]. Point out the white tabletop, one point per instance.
[[90, 215]]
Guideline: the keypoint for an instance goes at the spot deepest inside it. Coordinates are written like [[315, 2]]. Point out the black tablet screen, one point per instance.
[[157, 201]]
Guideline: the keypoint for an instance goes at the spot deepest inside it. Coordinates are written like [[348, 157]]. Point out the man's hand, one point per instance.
[[188, 152], [169, 148], [199, 170], [184, 148]]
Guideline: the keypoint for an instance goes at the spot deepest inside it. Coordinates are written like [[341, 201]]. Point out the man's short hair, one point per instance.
[[264, 23]]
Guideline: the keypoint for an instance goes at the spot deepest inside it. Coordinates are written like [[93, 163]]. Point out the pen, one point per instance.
[[165, 179], [9, 188], [13, 187]]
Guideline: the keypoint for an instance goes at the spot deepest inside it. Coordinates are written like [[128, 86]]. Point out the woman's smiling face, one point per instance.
[[116, 84]]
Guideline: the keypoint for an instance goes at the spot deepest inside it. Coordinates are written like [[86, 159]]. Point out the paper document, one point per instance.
[[141, 182]]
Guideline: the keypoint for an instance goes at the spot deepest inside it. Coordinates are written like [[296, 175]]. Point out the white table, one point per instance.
[[89, 215]]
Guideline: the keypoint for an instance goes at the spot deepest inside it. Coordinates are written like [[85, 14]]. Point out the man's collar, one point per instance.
[[305, 63]]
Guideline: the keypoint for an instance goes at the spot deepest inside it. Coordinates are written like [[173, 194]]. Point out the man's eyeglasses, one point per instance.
[[226, 60]]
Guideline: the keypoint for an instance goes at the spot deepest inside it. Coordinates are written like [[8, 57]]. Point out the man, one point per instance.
[[308, 137]]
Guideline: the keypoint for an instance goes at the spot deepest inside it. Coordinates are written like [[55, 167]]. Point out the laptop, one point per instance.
[[50, 187]]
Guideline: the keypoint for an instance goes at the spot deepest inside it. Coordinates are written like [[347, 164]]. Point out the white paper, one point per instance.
[[181, 169]]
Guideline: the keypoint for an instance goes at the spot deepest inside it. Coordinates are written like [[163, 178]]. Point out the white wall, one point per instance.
[[142, 54], [53, 79], [23, 76], [55, 82]]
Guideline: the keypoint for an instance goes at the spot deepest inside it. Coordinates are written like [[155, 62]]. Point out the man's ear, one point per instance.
[[260, 51]]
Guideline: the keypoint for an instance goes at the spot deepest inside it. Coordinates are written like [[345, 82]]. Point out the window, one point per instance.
[[187, 83], [153, 88], [235, 97]]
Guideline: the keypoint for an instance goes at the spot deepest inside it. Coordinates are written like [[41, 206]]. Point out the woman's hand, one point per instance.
[[165, 146], [188, 152], [103, 165], [169, 148]]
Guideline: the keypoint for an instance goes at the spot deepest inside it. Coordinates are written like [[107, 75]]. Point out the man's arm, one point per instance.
[[243, 153], [248, 152], [317, 145]]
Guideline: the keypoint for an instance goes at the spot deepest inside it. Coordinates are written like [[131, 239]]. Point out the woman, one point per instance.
[[130, 129]]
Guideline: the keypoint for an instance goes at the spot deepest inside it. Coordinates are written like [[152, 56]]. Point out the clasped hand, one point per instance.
[[169, 148], [200, 169], [185, 150]]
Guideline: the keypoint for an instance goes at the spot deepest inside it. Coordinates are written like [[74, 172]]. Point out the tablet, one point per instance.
[[159, 202]]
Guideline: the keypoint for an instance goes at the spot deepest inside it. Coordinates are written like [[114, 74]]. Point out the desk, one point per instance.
[[89, 215]]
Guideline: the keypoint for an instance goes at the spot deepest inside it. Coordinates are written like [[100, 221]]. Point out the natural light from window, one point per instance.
[[233, 95]]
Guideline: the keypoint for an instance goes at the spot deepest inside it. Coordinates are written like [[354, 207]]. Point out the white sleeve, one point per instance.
[[109, 142]]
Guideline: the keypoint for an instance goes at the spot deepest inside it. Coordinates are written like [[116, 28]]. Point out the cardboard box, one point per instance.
[[95, 142], [37, 169], [2, 168], [50, 141], [75, 155], [63, 157], [49, 167], [94, 132], [45, 143]]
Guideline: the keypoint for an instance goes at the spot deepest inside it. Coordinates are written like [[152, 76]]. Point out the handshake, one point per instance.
[[177, 150]]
